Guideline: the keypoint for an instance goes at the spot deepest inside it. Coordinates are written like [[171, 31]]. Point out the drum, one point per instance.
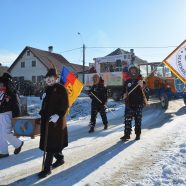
[[26, 126]]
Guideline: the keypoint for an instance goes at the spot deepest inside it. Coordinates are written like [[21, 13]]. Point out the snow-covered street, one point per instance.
[[100, 158]]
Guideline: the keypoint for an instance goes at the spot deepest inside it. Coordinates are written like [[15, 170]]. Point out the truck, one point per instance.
[[113, 70]]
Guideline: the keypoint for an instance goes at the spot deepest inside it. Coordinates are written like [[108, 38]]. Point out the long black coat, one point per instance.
[[55, 102]]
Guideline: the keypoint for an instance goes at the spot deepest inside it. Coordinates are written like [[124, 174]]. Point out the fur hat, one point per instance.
[[51, 72], [7, 76], [133, 75]]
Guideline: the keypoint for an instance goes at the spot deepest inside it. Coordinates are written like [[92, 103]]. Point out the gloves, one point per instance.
[[140, 83], [54, 118]]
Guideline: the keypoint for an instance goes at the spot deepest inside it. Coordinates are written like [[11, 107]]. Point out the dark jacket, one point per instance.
[[100, 92], [55, 102], [135, 98], [10, 102]]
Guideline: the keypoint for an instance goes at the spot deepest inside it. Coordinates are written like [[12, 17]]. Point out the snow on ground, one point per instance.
[[159, 158]]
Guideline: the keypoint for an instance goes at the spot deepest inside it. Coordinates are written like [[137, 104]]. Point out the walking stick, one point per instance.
[[101, 102], [45, 145]]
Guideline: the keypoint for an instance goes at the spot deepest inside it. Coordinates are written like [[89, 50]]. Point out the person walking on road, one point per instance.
[[54, 135]]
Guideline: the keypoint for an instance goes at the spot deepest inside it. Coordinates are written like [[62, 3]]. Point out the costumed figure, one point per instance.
[[54, 135], [134, 102], [98, 94], [9, 107]]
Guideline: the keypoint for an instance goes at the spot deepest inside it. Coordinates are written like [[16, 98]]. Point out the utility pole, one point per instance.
[[83, 63], [132, 56], [83, 57]]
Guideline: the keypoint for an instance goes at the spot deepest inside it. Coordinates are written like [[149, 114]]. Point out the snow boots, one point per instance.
[[125, 137]]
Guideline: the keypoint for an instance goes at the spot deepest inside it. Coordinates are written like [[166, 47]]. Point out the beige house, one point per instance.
[[32, 64]]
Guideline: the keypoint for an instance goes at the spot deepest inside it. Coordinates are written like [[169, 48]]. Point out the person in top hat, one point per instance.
[[53, 133], [9, 107]]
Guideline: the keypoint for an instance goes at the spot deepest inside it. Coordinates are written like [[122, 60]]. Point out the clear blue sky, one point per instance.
[[102, 23]]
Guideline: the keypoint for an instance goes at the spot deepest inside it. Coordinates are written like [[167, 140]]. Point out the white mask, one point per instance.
[[50, 80]]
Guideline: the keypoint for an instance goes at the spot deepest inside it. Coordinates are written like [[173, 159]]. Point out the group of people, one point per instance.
[[133, 96], [53, 133]]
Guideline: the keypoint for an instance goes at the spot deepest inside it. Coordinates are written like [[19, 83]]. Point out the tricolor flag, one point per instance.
[[72, 84], [176, 61]]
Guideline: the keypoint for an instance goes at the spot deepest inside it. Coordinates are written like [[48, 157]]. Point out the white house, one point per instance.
[[32, 64]]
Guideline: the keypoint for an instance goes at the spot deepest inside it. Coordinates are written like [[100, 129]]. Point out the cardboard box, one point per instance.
[[26, 126]]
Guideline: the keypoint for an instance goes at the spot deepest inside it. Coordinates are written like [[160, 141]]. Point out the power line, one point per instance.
[[71, 49], [134, 47]]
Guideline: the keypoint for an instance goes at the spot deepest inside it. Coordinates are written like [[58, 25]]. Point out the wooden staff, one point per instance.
[[45, 145], [101, 103], [144, 96]]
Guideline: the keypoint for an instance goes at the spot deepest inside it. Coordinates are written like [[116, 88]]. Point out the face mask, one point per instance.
[[50, 80]]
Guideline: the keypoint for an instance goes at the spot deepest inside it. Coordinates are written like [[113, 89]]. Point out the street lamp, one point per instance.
[[83, 57]]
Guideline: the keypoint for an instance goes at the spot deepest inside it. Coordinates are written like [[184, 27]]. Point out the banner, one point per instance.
[[176, 62], [72, 84]]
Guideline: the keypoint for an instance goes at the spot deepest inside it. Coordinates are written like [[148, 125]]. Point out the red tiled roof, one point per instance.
[[46, 58], [79, 68]]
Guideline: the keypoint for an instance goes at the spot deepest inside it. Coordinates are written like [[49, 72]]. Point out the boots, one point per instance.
[[91, 129], [105, 126], [17, 151], [125, 137], [44, 173], [137, 137], [58, 163]]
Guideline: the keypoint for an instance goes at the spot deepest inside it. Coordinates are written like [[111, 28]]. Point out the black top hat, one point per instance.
[[51, 72]]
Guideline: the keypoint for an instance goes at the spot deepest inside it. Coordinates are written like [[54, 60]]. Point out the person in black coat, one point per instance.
[[54, 135], [98, 94], [134, 102]]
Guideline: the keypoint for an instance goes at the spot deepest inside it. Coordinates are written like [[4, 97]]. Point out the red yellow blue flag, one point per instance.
[[72, 84]]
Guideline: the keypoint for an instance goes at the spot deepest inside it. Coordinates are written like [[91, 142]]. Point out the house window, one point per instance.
[[15, 79], [23, 64], [40, 78], [28, 53], [33, 63], [33, 79], [21, 78]]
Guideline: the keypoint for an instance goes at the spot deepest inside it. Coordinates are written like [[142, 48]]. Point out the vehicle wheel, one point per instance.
[[164, 101], [184, 99], [116, 95]]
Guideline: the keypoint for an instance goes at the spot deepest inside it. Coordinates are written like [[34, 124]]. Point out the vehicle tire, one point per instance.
[[116, 95], [164, 101], [184, 99]]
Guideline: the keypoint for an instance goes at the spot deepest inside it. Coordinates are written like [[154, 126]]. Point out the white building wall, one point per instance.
[[28, 71]]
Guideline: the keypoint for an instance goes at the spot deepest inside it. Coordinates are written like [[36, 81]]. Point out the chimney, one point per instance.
[[50, 49]]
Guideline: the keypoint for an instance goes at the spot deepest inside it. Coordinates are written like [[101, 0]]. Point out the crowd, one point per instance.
[[55, 104]]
